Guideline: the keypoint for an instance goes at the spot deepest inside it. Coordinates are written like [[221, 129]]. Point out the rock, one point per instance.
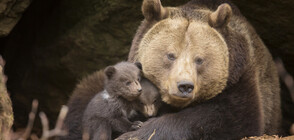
[[10, 13], [273, 21]]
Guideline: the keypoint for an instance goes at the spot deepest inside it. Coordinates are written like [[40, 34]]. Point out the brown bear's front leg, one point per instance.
[[136, 125], [121, 125], [215, 119]]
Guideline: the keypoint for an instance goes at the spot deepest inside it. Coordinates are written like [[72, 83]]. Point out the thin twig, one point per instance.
[[152, 134], [57, 131], [45, 124], [61, 117], [31, 121]]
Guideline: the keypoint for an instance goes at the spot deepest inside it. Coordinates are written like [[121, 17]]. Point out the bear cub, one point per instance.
[[108, 113], [149, 100]]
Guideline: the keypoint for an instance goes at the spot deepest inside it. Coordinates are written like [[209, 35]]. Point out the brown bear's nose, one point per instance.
[[185, 87], [140, 90]]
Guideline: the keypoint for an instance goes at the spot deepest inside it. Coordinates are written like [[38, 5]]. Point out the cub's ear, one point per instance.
[[221, 16], [153, 10], [109, 71], [139, 65]]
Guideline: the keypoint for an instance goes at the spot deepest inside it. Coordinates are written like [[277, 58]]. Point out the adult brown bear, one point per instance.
[[208, 60]]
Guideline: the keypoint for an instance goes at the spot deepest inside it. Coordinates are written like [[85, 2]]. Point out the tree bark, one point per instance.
[[6, 114], [10, 13]]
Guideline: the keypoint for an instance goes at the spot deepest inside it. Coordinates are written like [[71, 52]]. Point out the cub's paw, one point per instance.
[[136, 125]]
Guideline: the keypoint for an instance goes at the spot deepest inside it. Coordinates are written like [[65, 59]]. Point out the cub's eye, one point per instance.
[[141, 103], [199, 61], [128, 83], [155, 101], [171, 56]]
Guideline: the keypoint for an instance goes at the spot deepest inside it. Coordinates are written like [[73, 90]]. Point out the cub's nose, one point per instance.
[[140, 90], [185, 87]]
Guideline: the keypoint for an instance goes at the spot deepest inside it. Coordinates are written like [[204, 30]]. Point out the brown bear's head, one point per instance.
[[183, 52], [123, 80]]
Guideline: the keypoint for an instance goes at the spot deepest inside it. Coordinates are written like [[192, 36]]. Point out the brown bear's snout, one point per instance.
[[185, 87]]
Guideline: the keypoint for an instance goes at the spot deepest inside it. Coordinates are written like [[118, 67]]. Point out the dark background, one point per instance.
[[57, 42]]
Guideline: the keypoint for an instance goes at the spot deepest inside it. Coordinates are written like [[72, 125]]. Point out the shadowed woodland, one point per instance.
[[49, 45]]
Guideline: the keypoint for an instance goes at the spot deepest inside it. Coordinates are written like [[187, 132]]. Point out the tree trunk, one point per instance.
[[6, 114]]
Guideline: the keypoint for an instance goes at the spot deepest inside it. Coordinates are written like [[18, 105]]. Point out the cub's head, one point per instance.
[[149, 99], [182, 51], [123, 80]]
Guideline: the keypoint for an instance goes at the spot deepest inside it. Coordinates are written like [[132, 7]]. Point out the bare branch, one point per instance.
[[61, 117], [57, 131], [47, 133], [45, 125], [152, 134], [31, 121]]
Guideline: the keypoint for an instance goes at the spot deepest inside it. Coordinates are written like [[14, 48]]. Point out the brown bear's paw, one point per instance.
[[136, 125]]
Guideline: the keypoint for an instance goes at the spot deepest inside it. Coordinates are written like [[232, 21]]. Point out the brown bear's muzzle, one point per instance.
[[149, 110], [185, 87], [185, 90], [182, 96]]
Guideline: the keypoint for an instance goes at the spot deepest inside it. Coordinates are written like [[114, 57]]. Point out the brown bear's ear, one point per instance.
[[109, 71], [139, 65], [221, 16], [153, 10]]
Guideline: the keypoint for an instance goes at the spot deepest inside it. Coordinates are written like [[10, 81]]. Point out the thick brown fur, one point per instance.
[[109, 111], [83, 93], [105, 117], [236, 88], [91, 86]]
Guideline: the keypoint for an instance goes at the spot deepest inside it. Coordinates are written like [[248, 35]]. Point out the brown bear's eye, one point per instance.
[[171, 56], [199, 61], [128, 83]]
